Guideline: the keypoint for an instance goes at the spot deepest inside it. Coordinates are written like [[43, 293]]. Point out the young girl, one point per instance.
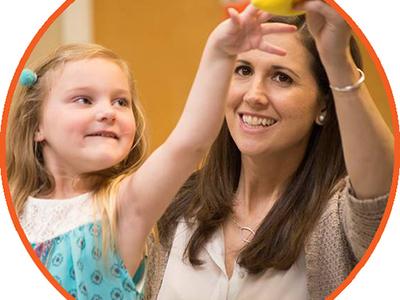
[[74, 151]]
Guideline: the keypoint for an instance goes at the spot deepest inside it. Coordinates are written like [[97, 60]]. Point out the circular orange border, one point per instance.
[[378, 67], [395, 122], [3, 164]]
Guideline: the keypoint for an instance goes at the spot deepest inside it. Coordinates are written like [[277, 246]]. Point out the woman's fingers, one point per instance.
[[312, 5], [319, 7]]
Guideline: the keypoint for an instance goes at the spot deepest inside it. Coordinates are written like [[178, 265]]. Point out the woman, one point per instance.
[[293, 190]]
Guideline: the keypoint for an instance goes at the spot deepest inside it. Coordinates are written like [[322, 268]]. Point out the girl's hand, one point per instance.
[[245, 31], [330, 31]]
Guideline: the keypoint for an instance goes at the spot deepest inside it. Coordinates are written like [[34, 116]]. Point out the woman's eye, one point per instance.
[[243, 70], [83, 100], [122, 102], [282, 78]]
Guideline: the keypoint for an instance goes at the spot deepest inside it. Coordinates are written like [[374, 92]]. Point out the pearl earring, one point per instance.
[[321, 119]]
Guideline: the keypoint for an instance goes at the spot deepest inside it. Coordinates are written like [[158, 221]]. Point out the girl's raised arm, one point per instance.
[[144, 196]]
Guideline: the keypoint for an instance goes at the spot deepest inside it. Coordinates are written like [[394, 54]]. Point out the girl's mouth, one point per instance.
[[106, 134]]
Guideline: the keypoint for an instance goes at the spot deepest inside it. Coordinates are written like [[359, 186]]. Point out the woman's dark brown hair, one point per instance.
[[206, 199]]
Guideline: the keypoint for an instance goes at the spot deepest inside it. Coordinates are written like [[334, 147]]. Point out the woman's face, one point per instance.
[[273, 100]]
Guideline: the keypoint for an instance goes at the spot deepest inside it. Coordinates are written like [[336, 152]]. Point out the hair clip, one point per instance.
[[28, 77]]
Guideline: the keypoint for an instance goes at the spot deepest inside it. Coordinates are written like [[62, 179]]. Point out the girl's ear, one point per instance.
[[39, 137]]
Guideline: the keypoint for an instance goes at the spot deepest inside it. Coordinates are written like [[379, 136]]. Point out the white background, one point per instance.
[[19, 22]]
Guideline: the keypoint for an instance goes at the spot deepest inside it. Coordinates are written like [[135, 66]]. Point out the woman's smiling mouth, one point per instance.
[[256, 122]]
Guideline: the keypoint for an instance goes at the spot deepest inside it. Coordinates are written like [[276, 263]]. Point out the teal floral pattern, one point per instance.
[[76, 261]]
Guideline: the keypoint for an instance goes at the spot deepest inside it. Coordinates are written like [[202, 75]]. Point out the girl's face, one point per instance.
[[272, 102], [87, 121]]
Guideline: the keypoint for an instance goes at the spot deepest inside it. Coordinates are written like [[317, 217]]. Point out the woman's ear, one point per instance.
[[322, 113], [321, 118]]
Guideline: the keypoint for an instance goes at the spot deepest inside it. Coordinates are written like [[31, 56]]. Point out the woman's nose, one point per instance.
[[256, 94]]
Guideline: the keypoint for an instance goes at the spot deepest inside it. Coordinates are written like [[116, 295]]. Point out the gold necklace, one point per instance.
[[246, 233]]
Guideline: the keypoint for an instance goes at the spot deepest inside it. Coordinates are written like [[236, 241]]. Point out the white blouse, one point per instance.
[[210, 281]]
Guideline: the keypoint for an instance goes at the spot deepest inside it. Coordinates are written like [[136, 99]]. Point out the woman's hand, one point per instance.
[[245, 31], [330, 31], [367, 142]]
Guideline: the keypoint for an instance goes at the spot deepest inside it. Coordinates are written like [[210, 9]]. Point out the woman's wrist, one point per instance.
[[333, 58], [341, 70], [350, 87]]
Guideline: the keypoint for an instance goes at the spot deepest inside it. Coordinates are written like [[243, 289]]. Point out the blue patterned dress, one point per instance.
[[75, 257]]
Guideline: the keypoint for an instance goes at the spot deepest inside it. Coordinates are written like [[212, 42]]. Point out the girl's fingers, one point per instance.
[[263, 17], [249, 11], [268, 28], [234, 16], [267, 47]]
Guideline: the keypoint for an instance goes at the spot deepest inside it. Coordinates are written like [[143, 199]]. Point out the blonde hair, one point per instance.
[[27, 174]]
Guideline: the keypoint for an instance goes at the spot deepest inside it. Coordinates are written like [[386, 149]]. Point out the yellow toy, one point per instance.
[[278, 7]]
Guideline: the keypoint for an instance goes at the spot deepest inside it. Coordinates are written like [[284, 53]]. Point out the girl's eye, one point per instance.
[[282, 78], [122, 102], [243, 70], [83, 100]]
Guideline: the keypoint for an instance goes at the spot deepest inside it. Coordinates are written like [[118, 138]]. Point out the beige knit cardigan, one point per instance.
[[340, 238]]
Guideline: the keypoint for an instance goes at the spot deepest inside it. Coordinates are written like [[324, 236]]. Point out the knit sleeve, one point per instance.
[[361, 218], [156, 263]]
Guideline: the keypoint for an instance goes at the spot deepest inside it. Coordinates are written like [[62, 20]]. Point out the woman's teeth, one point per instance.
[[256, 121]]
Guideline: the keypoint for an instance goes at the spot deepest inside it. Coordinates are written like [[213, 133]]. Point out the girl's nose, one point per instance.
[[106, 114], [256, 95]]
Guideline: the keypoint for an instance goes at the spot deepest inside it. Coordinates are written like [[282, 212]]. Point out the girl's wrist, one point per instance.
[[215, 48]]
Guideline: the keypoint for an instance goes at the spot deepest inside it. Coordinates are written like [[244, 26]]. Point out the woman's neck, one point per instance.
[[262, 181]]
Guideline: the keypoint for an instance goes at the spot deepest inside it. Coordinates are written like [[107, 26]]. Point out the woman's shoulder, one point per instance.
[[343, 200], [336, 196]]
